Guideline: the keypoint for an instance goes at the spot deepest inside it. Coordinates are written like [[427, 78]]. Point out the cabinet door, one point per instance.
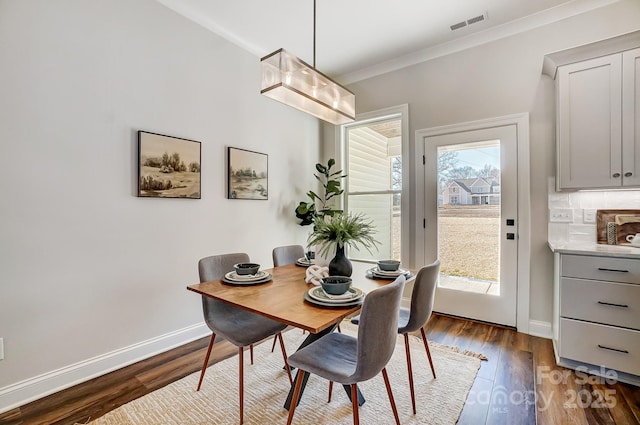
[[631, 118], [589, 144]]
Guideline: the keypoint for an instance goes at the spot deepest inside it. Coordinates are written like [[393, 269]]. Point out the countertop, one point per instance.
[[587, 248]]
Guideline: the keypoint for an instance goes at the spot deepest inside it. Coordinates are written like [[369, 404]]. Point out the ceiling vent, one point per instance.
[[458, 25], [470, 21]]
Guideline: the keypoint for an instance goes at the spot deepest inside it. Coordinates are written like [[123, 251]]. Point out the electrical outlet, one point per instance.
[[1, 348], [561, 215], [588, 215]]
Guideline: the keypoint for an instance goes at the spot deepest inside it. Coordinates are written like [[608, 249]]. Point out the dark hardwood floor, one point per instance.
[[519, 384]]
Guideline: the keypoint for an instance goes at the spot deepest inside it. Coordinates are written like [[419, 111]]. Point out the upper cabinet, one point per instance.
[[598, 114]]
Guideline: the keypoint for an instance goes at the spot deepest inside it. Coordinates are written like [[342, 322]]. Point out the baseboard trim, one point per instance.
[[21, 393], [541, 329]]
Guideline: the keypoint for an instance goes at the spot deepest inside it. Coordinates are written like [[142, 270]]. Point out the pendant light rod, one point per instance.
[[314, 34]]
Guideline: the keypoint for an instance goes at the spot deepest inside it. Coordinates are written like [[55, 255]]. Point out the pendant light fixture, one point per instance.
[[292, 81]]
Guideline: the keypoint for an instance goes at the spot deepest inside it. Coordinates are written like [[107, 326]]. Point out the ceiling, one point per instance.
[[357, 39]]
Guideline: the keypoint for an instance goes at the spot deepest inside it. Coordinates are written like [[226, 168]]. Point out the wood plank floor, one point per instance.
[[519, 384]]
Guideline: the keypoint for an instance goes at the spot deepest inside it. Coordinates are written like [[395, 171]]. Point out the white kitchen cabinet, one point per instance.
[[589, 124], [631, 117], [598, 114], [597, 315]]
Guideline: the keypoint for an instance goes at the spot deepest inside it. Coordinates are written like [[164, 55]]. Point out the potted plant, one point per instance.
[[321, 205], [339, 230]]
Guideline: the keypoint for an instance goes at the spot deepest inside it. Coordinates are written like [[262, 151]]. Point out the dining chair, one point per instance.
[[240, 327], [414, 318], [283, 255], [348, 360]]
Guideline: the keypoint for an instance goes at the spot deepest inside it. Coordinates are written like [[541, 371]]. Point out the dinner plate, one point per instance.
[[246, 277], [267, 278], [318, 294], [395, 273], [353, 303], [304, 262], [374, 273]]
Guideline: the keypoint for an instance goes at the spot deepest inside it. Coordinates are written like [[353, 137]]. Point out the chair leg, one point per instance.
[[354, 403], [410, 372], [251, 352], [330, 391], [284, 355], [273, 346], [390, 393], [296, 395], [241, 382], [426, 346], [206, 360]]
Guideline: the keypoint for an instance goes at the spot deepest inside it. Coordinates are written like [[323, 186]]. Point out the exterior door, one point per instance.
[[472, 228]]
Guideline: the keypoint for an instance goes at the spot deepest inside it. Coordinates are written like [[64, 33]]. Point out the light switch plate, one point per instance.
[[561, 215], [588, 215], [1, 348]]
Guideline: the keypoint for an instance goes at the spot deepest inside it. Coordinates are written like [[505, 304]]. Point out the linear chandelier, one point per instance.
[[292, 81]]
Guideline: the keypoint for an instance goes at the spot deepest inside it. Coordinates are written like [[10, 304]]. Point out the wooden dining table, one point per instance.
[[282, 299]]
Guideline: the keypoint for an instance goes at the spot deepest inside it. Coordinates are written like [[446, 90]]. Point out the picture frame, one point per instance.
[[168, 167], [247, 174]]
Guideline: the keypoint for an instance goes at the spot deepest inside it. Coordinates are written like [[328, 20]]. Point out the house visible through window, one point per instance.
[[373, 151]]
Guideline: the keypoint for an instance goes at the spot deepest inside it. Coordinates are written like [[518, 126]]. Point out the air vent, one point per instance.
[[470, 21], [458, 25], [475, 19]]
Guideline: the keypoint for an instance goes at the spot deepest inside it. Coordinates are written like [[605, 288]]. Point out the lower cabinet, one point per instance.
[[597, 314]]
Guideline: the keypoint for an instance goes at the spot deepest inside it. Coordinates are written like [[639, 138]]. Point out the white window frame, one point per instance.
[[401, 112]]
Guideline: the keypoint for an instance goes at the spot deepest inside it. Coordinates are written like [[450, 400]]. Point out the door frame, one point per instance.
[[426, 209]]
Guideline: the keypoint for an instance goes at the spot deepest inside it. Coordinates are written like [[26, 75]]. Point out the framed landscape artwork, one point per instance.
[[168, 167], [247, 174]]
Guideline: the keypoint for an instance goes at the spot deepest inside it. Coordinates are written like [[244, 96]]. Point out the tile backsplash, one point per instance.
[[575, 229]]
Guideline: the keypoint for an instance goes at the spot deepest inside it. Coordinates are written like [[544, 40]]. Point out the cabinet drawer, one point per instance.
[[601, 268], [603, 302], [597, 344]]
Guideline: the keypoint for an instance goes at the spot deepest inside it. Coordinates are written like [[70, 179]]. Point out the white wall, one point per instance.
[[86, 267], [498, 79]]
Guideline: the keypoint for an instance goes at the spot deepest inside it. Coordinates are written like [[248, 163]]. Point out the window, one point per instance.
[[373, 164]]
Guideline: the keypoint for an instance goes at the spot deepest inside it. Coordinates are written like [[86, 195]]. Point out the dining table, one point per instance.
[[283, 299]]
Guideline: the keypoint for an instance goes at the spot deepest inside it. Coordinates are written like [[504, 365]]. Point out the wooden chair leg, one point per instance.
[[410, 372], [251, 352], [426, 346], [354, 403], [330, 391], [241, 382], [273, 346], [296, 395], [284, 355], [390, 393], [206, 360]]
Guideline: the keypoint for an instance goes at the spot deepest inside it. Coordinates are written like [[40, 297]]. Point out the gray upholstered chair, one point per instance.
[[283, 255], [413, 319], [240, 327], [348, 360]]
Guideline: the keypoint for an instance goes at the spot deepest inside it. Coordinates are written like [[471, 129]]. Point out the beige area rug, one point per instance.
[[439, 401]]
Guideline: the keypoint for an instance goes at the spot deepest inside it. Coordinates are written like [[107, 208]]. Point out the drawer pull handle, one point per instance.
[[613, 349], [613, 305], [612, 270]]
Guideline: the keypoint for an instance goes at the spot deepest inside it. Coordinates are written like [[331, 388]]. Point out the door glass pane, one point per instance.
[[469, 216]]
